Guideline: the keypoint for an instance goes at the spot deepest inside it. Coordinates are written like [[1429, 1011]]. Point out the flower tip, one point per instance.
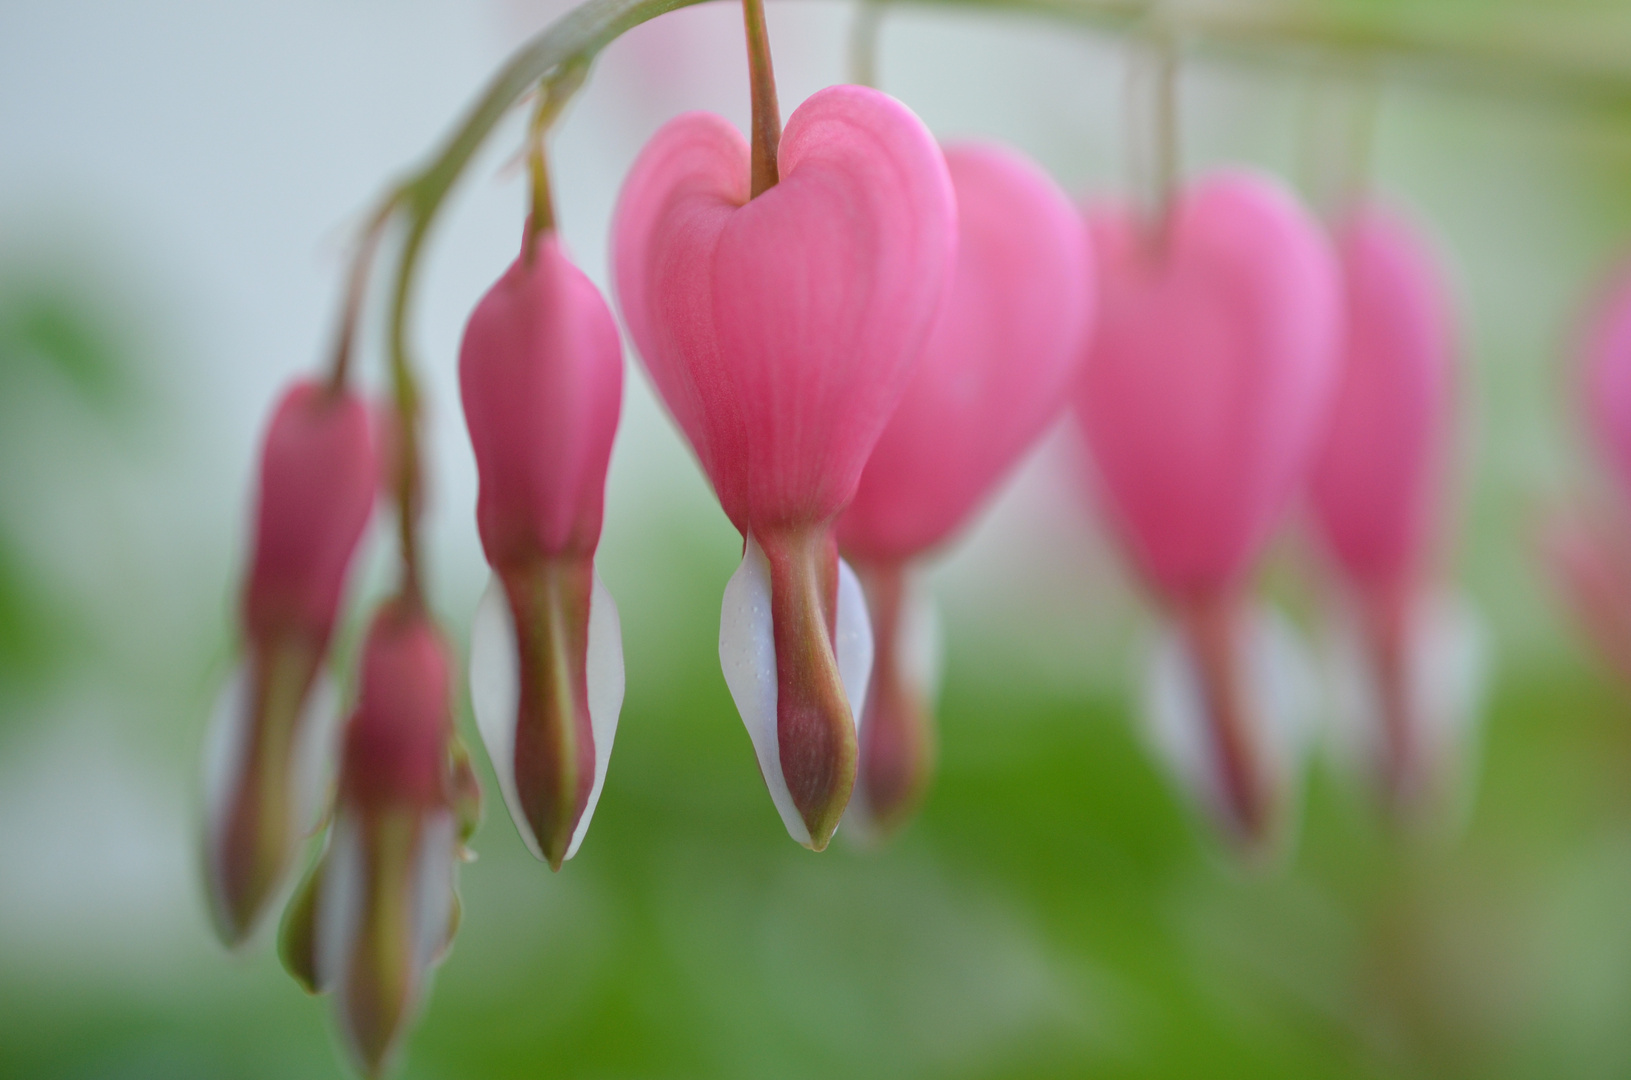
[[816, 739], [552, 834], [1229, 695]]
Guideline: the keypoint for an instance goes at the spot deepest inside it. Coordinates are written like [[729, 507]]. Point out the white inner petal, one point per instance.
[[1449, 671], [495, 695], [921, 642], [747, 654], [1447, 667], [434, 862], [226, 742], [316, 750], [606, 684], [1280, 699], [340, 896], [852, 640]]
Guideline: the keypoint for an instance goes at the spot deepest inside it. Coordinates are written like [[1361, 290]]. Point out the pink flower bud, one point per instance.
[[270, 738], [781, 332], [1201, 400], [317, 480], [379, 909], [1405, 660], [995, 373], [541, 372]]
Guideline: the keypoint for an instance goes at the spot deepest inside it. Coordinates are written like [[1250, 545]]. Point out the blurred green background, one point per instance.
[[174, 179]]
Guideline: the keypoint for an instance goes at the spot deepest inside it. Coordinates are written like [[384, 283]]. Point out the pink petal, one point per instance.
[[997, 366], [541, 374], [1208, 380], [1374, 489], [315, 495], [782, 332], [1607, 348]]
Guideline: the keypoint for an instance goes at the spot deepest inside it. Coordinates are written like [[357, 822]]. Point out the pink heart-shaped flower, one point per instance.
[[1373, 489], [1209, 378], [782, 332]]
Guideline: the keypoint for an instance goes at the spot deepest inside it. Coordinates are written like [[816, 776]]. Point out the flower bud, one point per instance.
[[271, 737], [541, 373], [379, 909]]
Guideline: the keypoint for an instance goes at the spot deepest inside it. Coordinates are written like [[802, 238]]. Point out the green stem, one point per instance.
[[863, 43], [767, 116], [356, 291]]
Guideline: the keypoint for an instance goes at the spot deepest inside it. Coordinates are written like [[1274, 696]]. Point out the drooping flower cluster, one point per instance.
[[859, 332]]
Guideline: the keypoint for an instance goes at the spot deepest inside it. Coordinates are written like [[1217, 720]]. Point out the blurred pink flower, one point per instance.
[[995, 373], [1406, 661], [271, 736], [379, 909], [1201, 401]]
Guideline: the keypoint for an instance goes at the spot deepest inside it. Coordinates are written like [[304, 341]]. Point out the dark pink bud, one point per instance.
[[317, 480], [379, 909], [271, 738], [541, 370]]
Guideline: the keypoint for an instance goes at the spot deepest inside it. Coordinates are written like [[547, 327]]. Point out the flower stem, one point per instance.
[[767, 117], [1152, 128], [356, 290], [863, 43]]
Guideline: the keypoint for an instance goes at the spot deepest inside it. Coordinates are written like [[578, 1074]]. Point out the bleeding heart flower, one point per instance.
[[271, 737], [1406, 661], [379, 909], [541, 371], [781, 333], [995, 372], [1588, 556], [1607, 348], [1588, 551], [1201, 400]]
